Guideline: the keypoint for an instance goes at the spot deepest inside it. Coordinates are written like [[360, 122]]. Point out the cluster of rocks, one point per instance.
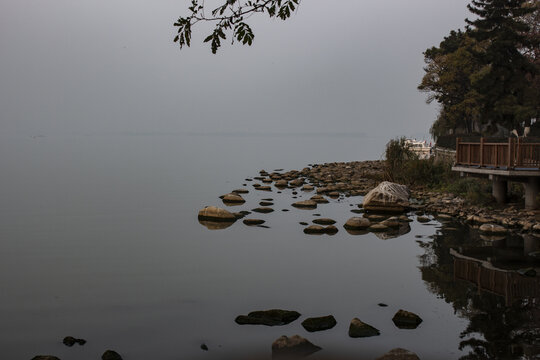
[[297, 346], [489, 220], [386, 198]]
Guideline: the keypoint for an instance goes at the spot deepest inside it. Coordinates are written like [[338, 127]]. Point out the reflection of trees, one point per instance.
[[495, 331]]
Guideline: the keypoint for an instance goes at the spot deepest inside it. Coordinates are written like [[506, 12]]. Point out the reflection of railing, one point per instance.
[[508, 284], [511, 154]]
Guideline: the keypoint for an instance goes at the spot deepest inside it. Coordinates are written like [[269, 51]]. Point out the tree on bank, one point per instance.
[[487, 77], [230, 19], [506, 87], [449, 69]]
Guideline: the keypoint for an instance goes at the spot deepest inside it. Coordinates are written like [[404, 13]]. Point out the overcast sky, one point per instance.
[[99, 66]]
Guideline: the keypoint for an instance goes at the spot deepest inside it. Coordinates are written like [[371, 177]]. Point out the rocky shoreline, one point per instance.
[[346, 179]]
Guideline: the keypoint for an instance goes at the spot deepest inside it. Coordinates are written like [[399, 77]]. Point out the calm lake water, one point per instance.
[[99, 239]]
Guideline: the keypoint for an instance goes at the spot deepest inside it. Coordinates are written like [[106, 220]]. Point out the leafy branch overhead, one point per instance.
[[229, 19]]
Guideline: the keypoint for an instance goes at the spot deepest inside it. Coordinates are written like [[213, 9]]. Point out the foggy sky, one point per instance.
[[101, 66]]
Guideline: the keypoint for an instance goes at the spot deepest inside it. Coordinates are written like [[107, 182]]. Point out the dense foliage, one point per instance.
[[486, 78], [405, 167]]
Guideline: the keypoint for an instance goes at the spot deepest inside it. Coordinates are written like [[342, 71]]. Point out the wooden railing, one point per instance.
[[508, 284], [512, 154]]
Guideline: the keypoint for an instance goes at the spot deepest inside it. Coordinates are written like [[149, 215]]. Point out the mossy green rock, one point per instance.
[[271, 317], [359, 329], [319, 323]]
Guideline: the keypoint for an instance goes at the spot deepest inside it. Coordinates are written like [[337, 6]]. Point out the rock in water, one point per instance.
[[378, 228], [360, 329], [233, 199], [241, 191], [70, 341], [319, 323], [294, 346], [330, 230], [406, 320], [111, 355], [319, 199], [399, 354], [314, 229], [213, 213], [324, 221], [271, 317], [357, 223], [252, 222], [307, 187], [263, 210], [387, 197], [306, 204], [492, 229]]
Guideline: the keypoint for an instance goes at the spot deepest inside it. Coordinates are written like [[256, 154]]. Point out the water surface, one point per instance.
[[100, 240]]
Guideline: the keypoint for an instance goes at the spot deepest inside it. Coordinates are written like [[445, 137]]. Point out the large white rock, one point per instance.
[[387, 197]]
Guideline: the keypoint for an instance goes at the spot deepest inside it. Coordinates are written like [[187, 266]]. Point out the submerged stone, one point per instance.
[[213, 213], [273, 317], [314, 229], [399, 354], [406, 320], [359, 329], [378, 228], [251, 222], [324, 221], [319, 323], [306, 204], [263, 210], [233, 199], [294, 346], [70, 341], [111, 355], [492, 229], [357, 223]]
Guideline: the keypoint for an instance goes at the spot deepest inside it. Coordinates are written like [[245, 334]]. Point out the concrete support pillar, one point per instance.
[[532, 186], [500, 188]]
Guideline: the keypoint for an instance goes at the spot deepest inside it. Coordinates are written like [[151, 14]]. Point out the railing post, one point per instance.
[[510, 152], [481, 152], [458, 141], [518, 149]]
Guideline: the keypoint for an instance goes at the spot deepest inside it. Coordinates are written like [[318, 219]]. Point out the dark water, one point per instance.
[[100, 240]]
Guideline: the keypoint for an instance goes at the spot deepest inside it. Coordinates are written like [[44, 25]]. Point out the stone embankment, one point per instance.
[[448, 206]]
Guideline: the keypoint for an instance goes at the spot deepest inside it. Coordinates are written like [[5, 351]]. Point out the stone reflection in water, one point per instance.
[[403, 229], [480, 279], [215, 225]]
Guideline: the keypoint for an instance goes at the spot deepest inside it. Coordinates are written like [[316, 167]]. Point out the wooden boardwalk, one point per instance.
[[502, 160], [514, 154]]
